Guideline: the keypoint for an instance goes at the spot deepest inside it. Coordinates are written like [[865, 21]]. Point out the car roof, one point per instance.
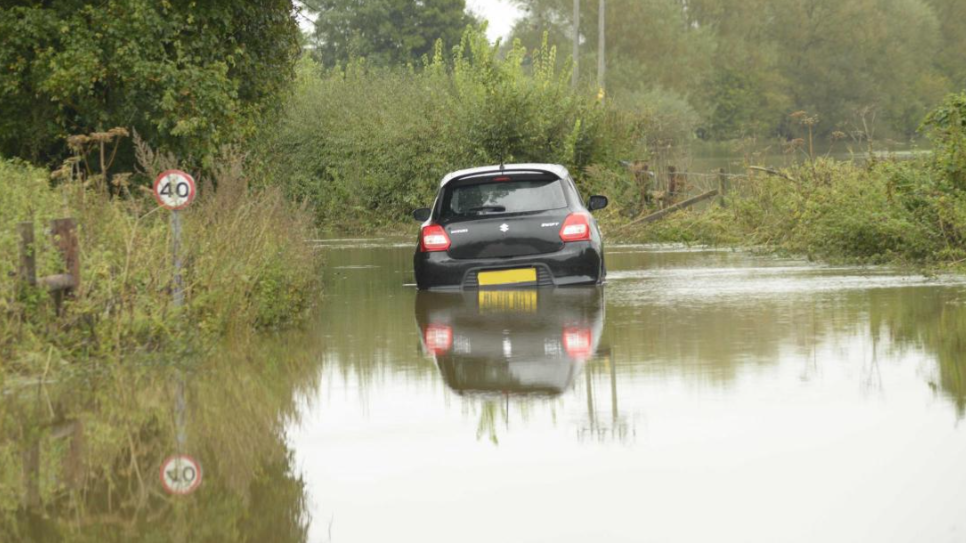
[[555, 169]]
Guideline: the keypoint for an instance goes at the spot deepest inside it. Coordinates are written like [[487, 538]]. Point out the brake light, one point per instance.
[[501, 178], [576, 227], [433, 238], [438, 338], [577, 342]]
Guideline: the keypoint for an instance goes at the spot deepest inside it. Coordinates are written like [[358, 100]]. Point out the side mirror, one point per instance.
[[597, 202], [422, 214]]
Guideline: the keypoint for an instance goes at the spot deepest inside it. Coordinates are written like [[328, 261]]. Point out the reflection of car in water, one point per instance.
[[511, 341]]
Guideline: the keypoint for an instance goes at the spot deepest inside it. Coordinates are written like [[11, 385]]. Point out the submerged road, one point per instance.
[[700, 395]]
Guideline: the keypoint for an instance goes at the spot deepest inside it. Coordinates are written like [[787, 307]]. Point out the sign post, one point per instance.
[[175, 190], [180, 474]]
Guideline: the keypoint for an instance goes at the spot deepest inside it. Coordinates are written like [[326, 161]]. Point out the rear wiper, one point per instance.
[[487, 209]]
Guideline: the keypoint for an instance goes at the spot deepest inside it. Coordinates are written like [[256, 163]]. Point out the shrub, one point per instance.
[[947, 125]]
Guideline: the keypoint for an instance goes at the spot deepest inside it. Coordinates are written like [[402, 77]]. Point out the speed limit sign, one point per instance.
[[174, 189], [180, 474]]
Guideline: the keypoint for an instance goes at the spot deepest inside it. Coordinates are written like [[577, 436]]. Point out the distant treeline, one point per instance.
[[739, 68]]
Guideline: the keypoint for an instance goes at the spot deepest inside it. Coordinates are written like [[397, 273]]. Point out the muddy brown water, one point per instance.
[[700, 395]]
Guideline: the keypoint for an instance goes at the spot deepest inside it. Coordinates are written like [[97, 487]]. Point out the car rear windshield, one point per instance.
[[497, 197]]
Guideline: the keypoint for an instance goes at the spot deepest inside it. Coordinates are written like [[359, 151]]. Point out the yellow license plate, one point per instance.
[[498, 301], [507, 277]]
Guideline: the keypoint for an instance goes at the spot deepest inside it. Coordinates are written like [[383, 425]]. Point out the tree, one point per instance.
[[952, 21], [189, 76], [649, 43], [385, 32], [744, 66]]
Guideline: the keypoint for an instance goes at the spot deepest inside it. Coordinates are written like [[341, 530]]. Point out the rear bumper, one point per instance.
[[577, 263]]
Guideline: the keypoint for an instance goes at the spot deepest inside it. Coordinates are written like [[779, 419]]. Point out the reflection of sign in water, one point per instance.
[[174, 189], [180, 474]]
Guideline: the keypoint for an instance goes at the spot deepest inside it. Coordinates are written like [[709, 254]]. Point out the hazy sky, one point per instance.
[[501, 14]]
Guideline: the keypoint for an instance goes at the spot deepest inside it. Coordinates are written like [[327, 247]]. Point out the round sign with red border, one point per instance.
[[174, 189], [180, 474]]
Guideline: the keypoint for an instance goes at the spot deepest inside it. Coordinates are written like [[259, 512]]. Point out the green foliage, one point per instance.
[[891, 212], [745, 65], [246, 266], [385, 32], [662, 118], [948, 130], [188, 75], [370, 144], [951, 15], [912, 211]]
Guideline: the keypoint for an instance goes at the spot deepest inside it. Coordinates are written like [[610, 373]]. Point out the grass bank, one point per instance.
[[246, 264]]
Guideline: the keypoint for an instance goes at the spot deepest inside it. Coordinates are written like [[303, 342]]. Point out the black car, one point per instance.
[[519, 225], [511, 342]]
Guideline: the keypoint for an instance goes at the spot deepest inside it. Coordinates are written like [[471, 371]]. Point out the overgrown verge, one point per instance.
[[910, 212], [246, 264], [367, 145]]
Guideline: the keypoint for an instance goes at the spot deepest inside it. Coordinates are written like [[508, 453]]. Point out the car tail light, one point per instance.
[[576, 227], [577, 342], [438, 338], [433, 238]]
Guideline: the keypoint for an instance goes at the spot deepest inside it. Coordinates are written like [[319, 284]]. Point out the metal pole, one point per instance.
[[180, 405], [613, 390], [178, 289], [180, 410], [576, 74], [601, 67]]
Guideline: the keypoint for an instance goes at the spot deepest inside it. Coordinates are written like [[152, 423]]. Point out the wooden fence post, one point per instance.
[[64, 233], [672, 185], [722, 187], [65, 239], [643, 179], [28, 257]]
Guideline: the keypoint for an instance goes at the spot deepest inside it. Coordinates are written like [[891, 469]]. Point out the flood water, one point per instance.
[[700, 158], [700, 395]]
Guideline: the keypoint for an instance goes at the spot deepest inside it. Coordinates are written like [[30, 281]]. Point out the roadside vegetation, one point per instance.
[[351, 127], [367, 144], [246, 264], [187, 86], [742, 67], [884, 211]]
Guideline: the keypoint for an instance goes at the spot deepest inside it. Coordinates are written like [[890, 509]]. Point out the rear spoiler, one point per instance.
[[491, 173]]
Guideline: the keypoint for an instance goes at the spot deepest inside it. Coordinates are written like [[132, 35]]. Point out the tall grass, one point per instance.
[[246, 265]]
